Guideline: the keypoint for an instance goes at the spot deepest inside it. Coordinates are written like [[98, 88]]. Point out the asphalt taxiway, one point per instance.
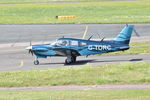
[[17, 58], [13, 34], [14, 39]]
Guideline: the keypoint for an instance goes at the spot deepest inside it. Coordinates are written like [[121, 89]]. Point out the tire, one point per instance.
[[67, 62], [36, 62]]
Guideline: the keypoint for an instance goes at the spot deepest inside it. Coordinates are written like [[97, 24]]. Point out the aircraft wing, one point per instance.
[[66, 51]]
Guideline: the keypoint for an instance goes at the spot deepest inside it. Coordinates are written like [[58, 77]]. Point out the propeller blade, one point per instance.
[[30, 43], [32, 52], [29, 51]]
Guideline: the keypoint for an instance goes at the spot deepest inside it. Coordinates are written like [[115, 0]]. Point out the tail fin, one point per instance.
[[125, 34]]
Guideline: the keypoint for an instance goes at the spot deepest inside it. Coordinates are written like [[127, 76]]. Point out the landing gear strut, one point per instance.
[[70, 59], [36, 62]]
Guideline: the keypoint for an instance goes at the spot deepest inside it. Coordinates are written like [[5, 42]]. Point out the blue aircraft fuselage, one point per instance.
[[81, 48], [71, 47]]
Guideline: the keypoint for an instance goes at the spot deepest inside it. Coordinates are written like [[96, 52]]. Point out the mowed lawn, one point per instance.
[[85, 12], [21, 1], [124, 73], [76, 95]]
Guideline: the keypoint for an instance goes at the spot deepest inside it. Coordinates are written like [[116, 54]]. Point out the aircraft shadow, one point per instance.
[[131, 60], [60, 63], [83, 62], [136, 60], [79, 62]]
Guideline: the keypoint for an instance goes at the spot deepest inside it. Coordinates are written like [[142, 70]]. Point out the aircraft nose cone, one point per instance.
[[29, 47]]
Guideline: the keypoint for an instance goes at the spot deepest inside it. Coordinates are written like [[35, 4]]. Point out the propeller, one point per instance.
[[30, 48], [30, 43], [30, 51]]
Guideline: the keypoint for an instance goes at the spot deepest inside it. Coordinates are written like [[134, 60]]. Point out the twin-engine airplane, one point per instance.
[[71, 47]]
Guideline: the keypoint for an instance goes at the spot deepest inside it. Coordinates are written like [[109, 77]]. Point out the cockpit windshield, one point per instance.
[[60, 43]]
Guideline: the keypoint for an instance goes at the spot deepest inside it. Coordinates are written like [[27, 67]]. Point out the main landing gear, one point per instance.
[[70, 60]]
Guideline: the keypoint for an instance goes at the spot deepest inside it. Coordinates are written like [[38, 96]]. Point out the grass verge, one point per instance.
[[125, 73], [23, 1], [89, 12], [76, 95]]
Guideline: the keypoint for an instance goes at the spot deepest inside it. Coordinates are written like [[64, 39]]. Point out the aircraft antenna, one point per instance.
[[103, 39], [136, 33], [90, 37]]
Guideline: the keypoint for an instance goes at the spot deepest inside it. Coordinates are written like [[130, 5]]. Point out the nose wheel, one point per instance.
[[36, 62]]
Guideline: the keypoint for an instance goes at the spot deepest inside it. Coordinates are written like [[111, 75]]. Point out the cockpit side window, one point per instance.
[[61, 43], [64, 43], [74, 43], [83, 43]]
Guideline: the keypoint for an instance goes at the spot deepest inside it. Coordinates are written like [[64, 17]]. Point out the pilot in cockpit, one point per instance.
[[64, 43]]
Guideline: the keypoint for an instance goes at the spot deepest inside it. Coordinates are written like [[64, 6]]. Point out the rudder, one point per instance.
[[125, 34]]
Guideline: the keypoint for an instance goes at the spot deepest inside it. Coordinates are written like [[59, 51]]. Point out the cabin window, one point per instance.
[[64, 43], [60, 43], [74, 43], [83, 43]]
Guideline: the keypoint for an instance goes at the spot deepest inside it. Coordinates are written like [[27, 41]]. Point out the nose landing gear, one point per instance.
[[36, 62]]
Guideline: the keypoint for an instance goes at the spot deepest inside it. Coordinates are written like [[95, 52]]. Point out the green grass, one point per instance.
[[136, 48], [93, 12], [76, 95], [16, 1], [125, 73]]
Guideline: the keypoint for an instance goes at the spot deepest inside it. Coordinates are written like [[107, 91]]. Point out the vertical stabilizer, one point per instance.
[[125, 35]]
